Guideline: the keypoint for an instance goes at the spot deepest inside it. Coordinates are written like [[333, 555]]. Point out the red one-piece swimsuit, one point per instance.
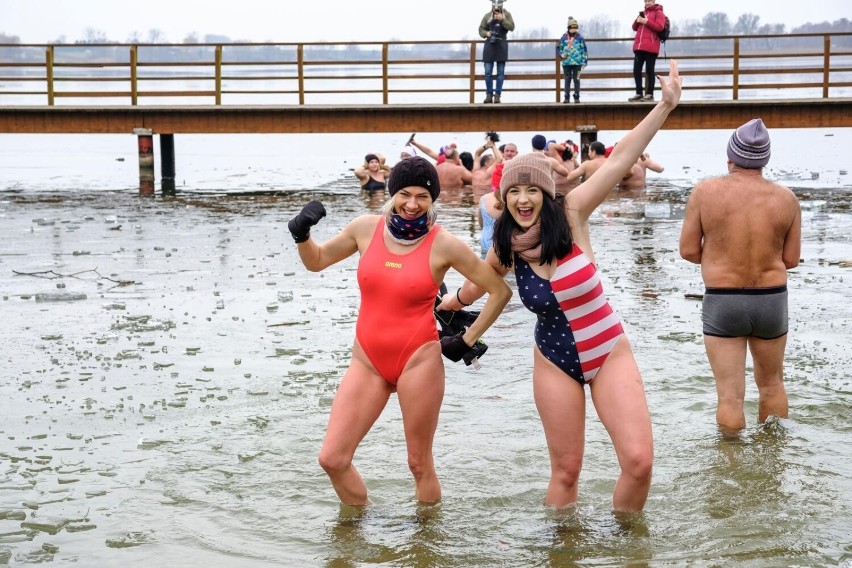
[[397, 297]]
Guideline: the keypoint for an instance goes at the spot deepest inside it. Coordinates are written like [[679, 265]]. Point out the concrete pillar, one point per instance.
[[145, 144], [588, 135], [167, 163]]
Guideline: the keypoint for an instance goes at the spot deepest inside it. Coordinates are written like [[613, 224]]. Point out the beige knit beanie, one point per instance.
[[528, 169]]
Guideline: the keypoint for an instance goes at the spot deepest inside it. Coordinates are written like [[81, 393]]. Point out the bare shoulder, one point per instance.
[[363, 225], [707, 185], [448, 241], [783, 188]]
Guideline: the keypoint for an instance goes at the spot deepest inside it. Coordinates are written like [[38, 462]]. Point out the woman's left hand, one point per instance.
[[671, 86]]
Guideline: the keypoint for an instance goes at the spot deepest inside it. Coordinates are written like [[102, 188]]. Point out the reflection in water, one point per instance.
[[743, 494], [376, 535], [747, 471], [579, 537], [373, 200]]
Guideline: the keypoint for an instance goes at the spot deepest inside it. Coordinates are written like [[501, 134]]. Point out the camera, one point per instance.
[[493, 39]]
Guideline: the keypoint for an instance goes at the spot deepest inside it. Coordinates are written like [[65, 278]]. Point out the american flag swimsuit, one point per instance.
[[576, 328]]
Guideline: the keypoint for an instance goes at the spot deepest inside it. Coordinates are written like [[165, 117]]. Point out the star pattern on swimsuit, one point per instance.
[[554, 336]]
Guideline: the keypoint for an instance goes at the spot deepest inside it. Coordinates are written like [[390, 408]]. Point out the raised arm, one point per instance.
[[361, 172], [508, 22], [317, 256], [646, 161], [425, 149], [478, 154], [591, 193], [557, 166], [483, 25]]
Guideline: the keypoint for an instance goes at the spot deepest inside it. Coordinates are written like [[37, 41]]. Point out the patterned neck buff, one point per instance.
[[409, 232]]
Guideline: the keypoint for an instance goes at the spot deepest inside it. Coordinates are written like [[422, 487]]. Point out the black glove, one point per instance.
[[454, 347], [478, 349], [300, 225]]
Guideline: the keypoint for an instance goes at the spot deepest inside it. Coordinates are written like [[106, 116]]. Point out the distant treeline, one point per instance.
[[596, 28]]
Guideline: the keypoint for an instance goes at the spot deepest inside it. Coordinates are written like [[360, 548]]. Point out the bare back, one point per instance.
[[481, 178], [635, 178], [751, 230], [453, 175]]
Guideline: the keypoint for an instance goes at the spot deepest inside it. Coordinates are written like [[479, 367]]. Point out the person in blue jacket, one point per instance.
[[575, 56]]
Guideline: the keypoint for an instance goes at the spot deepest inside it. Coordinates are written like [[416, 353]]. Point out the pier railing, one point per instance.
[[717, 67]]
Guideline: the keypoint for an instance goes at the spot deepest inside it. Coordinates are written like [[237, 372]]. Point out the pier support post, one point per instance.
[[588, 134], [145, 144], [167, 163]]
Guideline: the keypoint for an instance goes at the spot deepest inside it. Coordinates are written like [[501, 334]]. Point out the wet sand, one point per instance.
[[168, 367]]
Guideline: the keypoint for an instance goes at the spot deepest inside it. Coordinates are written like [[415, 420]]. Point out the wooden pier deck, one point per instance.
[[234, 119]]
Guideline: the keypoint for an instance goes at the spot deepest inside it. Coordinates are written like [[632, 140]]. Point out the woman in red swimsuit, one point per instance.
[[579, 340], [404, 257]]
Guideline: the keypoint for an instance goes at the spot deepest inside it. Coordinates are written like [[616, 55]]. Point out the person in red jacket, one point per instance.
[[646, 48]]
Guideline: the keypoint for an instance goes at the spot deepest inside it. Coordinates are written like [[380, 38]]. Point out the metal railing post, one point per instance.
[[48, 64]]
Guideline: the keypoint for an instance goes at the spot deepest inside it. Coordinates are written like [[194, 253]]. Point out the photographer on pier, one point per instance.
[[494, 27]]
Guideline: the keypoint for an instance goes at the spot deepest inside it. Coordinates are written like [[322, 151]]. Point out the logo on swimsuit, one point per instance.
[[390, 264]]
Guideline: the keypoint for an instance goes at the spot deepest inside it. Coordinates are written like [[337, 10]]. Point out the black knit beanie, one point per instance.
[[415, 171]]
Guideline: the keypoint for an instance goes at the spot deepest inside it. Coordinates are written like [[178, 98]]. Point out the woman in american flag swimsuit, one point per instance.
[[579, 339]]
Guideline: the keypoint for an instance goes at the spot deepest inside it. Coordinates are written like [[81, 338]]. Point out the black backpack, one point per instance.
[[666, 32]]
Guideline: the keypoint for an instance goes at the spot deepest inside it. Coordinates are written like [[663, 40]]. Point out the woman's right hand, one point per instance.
[[300, 225]]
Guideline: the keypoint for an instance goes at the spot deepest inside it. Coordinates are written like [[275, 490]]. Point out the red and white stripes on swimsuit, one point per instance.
[[577, 287]]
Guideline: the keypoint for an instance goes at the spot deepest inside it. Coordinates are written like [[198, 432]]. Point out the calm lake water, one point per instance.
[[164, 400]]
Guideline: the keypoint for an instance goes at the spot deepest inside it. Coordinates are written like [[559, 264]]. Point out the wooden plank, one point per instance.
[[693, 115]]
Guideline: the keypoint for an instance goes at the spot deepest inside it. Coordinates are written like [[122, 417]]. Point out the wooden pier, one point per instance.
[[790, 80]]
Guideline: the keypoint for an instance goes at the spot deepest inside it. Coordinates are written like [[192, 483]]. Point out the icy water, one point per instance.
[[168, 367]]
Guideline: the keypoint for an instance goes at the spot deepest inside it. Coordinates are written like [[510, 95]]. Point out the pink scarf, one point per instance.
[[528, 243]]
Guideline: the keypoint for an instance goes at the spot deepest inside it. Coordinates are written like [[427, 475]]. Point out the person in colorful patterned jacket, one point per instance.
[[579, 339], [574, 55]]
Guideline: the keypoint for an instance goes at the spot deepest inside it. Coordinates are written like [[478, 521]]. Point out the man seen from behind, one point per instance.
[[745, 232]]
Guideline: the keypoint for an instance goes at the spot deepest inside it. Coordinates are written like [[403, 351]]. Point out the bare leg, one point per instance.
[[421, 390], [727, 360], [561, 403], [768, 355], [619, 398], [360, 399]]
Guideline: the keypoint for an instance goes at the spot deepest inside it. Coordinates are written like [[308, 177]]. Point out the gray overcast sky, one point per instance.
[[40, 21]]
